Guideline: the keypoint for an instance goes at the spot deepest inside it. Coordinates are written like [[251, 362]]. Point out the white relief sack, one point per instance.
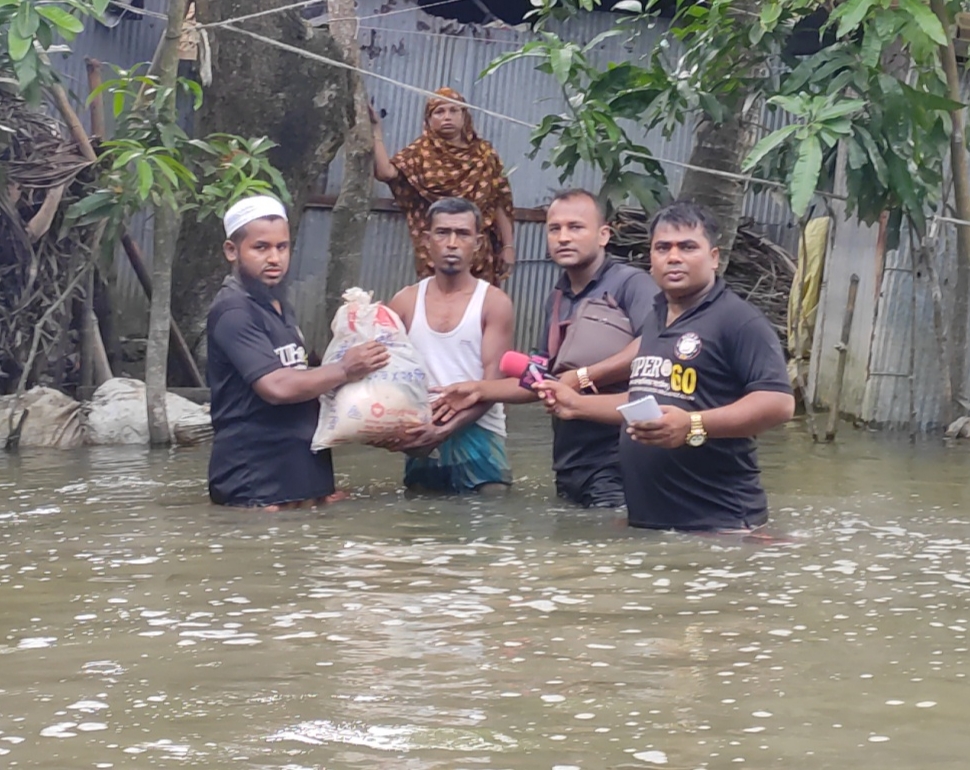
[[386, 402]]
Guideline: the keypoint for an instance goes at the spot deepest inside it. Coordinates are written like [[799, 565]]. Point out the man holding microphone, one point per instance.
[[715, 366]]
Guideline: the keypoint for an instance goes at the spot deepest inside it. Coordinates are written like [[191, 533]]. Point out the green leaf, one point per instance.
[[561, 61], [857, 155], [875, 156], [712, 106], [766, 145], [91, 202], [65, 22], [927, 21], [125, 158], [145, 178], [167, 134], [118, 103], [27, 75], [26, 21], [17, 45], [195, 90], [770, 13], [100, 6], [629, 6], [178, 169], [840, 109], [850, 15], [793, 104], [45, 36], [931, 101], [166, 172], [804, 180], [840, 126]]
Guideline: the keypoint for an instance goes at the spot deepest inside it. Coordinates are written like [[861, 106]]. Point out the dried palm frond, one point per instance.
[[758, 270], [36, 160]]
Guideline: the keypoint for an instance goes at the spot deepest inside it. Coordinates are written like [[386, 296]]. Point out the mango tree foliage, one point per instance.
[[152, 161], [894, 124], [29, 28]]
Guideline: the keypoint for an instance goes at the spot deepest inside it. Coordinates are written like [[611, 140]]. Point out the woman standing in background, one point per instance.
[[449, 160]]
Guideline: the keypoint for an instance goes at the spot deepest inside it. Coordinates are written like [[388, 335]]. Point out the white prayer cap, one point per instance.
[[248, 209]]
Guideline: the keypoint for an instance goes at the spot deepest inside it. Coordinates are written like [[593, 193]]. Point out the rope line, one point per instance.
[[229, 24], [392, 81]]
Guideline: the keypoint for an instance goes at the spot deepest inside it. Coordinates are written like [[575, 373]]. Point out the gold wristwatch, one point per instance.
[[696, 436], [585, 383]]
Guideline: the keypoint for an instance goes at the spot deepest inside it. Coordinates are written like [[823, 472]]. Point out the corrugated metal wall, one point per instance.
[[886, 378], [133, 40], [430, 52], [426, 51]]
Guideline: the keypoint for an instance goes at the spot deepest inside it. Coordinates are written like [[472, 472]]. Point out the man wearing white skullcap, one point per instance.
[[264, 395]]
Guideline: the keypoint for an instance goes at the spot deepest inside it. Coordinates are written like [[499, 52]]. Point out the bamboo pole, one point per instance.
[[95, 367], [843, 348], [98, 127]]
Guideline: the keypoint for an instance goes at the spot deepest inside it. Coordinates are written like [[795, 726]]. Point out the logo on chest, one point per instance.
[[688, 346], [292, 355]]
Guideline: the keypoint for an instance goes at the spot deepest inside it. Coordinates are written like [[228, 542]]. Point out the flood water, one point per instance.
[[141, 627]]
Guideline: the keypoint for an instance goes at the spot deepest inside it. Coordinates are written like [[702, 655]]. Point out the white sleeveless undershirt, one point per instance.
[[455, 356]]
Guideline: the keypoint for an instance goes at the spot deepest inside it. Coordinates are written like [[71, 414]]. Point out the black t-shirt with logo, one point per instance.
[[580, 448], [711, 356], [261, 452]]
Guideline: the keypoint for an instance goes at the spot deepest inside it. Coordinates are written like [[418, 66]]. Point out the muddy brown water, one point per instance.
[[140, 627]]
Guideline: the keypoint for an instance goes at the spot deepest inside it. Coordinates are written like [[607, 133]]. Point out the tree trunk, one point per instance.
[[961, 195], [257, 90], [723, 147], [353, 204], [166, 228]]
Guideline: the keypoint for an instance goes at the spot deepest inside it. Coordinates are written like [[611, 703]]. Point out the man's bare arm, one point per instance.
[[403, 304]]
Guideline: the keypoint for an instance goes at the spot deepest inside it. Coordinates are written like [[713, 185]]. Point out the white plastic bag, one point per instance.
[[384, 403]]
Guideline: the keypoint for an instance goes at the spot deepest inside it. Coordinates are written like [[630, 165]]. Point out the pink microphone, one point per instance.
[[528, 369]]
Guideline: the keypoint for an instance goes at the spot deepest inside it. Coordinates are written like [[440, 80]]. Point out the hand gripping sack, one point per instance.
[[385, 402]]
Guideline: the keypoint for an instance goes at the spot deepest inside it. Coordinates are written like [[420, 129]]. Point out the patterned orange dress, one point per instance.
[[432, 168]]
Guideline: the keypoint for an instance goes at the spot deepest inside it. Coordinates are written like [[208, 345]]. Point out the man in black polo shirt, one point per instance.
[[264, 397], [585, 453], [715, 366]]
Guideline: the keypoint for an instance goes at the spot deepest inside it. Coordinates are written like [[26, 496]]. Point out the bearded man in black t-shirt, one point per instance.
[[715, 366], [265, 398]]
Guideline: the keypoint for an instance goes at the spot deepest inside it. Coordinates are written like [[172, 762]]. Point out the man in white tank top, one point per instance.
[[462, 326]]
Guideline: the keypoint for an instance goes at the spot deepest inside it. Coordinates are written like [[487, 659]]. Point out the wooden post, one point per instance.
[[843, 348], [98, 127], [95, 368]]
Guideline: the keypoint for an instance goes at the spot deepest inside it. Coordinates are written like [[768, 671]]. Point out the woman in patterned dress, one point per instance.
[[449, 160]]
